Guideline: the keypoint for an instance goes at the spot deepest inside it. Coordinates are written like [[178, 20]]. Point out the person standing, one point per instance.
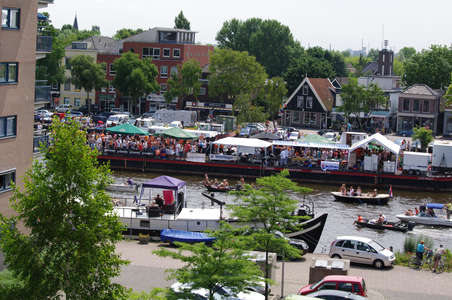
[[439, 252], [420, 250], [448, 207]]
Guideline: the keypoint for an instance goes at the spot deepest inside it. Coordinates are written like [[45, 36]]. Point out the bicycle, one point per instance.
[[414, 262], [442, 265]]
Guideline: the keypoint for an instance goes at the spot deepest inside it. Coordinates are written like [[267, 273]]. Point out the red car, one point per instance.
[[352, 284]]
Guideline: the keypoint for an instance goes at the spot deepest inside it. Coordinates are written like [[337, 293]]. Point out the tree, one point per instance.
[[249, 110], [184, 81], [88, 75], [135, 77], [373, 54], [72, 230], [423, 135], [222, 265], [180, 22], [270, 209], [125, 33], [406, 53], [95, 28], [274, 92], [448, 95], [431, 67], [357, 99]]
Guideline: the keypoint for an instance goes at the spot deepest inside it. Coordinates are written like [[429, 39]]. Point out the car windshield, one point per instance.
[[113, 118], [329, 135], [376, 246]]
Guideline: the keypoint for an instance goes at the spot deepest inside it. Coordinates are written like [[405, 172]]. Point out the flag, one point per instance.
[[390, 191]]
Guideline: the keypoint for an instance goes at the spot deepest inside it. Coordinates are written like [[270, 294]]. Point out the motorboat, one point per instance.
[[171, 235], [148, 218], [395, 226], [118, 187], [218, 190], [426, 218], [380, 199]]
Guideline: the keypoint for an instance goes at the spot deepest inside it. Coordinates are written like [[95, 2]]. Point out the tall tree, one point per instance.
[[180, 22], [88, 75], [224, 264], [270, 208], [425, 136], [431, 67], [95, 28], [274, 92], [184, 81], [407, 52], [135, 77], [249, 110], [71, 228], [356, 99], [373, 54], [125, 33]]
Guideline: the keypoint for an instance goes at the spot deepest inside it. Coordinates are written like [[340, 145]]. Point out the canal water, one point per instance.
[[340, 215]]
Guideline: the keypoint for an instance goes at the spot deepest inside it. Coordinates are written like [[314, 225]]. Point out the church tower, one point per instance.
[[75, 26]]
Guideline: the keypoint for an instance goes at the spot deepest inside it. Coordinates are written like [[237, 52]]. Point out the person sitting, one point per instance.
[[225, 183], [343, 189], [374, 194], [358, 191], [159, 201], [116, 202], [408, 212], [416, 211], [351, 191], [129, 181], [215, 183], [431, 213], [381, 219], [360, 219]]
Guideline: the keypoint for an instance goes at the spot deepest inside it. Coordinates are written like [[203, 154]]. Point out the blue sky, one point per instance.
[[325, 23]]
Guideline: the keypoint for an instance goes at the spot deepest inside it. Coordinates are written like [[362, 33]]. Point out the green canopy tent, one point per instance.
[[315, 138], [178, 134], [127, 129]]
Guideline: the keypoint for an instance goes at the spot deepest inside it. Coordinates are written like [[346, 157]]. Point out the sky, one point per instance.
[[330, 24]]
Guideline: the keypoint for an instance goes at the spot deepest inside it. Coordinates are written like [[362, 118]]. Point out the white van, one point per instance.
[[115, 120], [144, 123], [188, 118]]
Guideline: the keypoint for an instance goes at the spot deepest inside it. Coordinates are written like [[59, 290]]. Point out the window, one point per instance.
[[153, 53], [309, 102], [166, 52], [362, 246], [111, 89], [296, 117], [10, 18], [202, 91], [426, 106], [449, 124], [112, 69], [55, 86], [8, 126], [327, 286], [174, 70], [416, 105], [163, 72], [349, 244], [67, 100], [176, 52], [68, 63], [8, 72], [6, 177], [162, 88], [406, 104], [77, 102], [344, 286], [78, 88], [305, 89], [310, 118], [132, 50], [67, 85], [79, 45], [103, 89], [300, 101]]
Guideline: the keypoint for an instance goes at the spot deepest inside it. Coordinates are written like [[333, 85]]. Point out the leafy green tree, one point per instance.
[[135, 77], [184, 81], [222, 265], [71, 230], [373, 54], [88, 75], [356, 98], [274, 92], [431, 67], [181, 22], [270, 208], [358, 62], [398, 68], [345, 53], [95, 28], [249, 111], [406, 53], [423, 135], [125, 33], [448, 95]]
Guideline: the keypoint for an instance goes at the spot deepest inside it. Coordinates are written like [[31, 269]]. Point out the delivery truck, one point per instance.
[[442, 156], [416, 162]]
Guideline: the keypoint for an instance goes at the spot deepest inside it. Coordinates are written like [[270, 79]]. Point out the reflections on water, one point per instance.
[[340, 215]]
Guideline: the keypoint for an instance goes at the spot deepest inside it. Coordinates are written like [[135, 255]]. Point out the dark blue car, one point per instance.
[[408, 132]]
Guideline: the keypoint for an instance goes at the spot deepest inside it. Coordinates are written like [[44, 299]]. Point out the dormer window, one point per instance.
[[305, 89], [79, 45]]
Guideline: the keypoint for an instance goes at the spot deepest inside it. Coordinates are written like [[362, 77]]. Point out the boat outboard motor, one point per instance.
[[410, 225]]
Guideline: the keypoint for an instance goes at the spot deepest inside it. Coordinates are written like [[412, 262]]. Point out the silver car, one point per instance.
[[361, 250]]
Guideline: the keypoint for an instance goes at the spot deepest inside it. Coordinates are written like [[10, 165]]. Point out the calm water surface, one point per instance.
[[340, 215]]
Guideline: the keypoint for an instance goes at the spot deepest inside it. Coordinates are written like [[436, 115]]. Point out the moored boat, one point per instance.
[[171, 235], [395, 226], [425, 218], [381, 199]]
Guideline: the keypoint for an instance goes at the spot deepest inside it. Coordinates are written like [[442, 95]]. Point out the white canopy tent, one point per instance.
[[385, 142], [310, 145], [244, 145]]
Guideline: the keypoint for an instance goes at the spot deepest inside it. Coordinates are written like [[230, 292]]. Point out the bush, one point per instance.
[[411, 242], [402, 258]]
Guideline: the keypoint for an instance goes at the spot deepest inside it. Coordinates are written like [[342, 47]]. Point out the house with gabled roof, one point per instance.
[[422, 106], [310, 104]]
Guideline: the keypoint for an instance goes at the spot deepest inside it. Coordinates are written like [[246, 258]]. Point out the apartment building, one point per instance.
[[18, 54]]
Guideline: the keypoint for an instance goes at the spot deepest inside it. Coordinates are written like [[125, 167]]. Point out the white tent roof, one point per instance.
[[243, 142], [391, 146], [311, 145]]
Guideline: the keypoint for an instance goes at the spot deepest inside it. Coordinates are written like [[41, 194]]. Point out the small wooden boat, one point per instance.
[[217, 190], [122, 188], [380, 199], [396, 226]]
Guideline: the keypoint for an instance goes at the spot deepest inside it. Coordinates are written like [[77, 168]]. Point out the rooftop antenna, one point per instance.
[[386, 43], [382, 36]]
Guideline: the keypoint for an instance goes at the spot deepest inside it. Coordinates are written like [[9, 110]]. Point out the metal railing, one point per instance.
[[39, 140], [42, 93], [43, 43]]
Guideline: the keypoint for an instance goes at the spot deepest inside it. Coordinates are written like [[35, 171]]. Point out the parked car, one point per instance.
[[406, 133], [289, 128], [106, 114], [41, 112], [115, 110], [293, 135], [115, 120], [149, 114], [47, 118], [94, 109], [176, 124], [297, 243], [63, 108], [361, 250], [244, 132], [354, 284], [323, 131], [336, 295], [401, 143], [221, 293], [331, 136], [255, 128]]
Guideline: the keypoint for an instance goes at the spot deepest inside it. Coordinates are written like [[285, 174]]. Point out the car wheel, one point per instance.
[[410, 172], [336, 256], [418, 172], [404, 134], [378, 264]]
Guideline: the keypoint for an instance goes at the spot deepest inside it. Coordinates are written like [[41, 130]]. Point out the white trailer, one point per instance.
[[145, 124], [415, 162], [350, 138], [442, 155], [188, 118]]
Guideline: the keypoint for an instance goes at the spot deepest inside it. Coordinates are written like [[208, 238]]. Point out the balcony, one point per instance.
[[43, 46], [42, 94]]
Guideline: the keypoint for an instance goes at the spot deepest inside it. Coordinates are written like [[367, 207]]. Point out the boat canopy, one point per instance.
[[435, 205], [243, 142], [165, 183], [311, 145], [385, 142]]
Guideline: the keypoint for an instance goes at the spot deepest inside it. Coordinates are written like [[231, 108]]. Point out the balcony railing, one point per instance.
[[43, 43], [42, 93], [40, 139]]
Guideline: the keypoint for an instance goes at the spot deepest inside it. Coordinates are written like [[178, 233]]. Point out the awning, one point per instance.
[[311, 145], [233, 141], [42, 17], [208, 108]]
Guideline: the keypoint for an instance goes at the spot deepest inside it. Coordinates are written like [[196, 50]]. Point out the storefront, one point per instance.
[[107, 102], [409, 121]]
